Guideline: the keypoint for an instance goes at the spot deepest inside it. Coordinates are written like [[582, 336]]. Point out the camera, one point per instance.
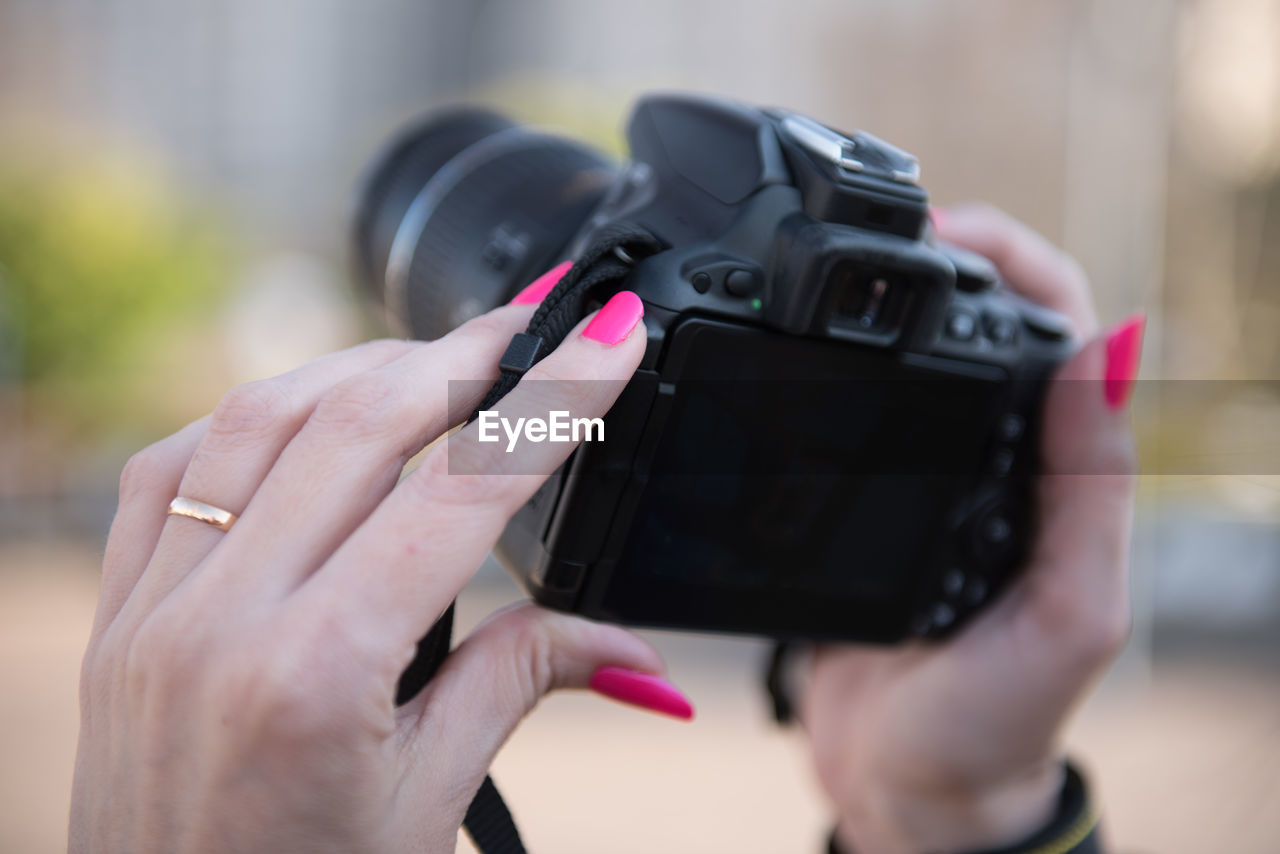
[[833, 431]]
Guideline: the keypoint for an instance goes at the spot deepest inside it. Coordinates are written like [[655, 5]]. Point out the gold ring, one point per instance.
[[201, 512]]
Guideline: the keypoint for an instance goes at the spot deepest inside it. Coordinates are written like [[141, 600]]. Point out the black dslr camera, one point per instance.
[[833, 433]]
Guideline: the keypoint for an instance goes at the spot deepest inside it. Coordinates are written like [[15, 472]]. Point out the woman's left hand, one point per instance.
[[237, 692], [954, 746]]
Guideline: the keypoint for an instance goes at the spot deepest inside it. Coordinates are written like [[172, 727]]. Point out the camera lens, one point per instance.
[[463, 209]]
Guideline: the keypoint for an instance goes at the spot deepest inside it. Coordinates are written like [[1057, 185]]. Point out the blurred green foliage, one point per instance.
[[99, 260]]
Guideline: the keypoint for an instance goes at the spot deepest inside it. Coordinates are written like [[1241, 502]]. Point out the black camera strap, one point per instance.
[[602, 267]]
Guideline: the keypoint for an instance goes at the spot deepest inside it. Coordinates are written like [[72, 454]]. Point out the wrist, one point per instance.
[[957, 818]]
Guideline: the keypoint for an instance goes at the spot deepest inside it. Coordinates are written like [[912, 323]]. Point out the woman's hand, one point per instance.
[[955, 746], [237, 692]]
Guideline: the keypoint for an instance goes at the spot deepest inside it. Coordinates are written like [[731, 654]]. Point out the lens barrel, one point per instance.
[[463, 209]]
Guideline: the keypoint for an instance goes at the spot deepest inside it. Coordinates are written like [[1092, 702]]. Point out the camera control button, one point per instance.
[[975, 591], [741, 283], [1002, 462], [962, 325], [993, 535], [952, 582], [943, 615], [996, 529], [1011, 427], [1000, 328], [702, 282]]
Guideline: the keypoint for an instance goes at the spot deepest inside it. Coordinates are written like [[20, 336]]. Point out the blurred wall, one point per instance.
[[276, 104], [1067, 114]]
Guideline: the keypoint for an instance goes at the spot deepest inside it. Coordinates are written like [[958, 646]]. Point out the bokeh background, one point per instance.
[[174, 177]]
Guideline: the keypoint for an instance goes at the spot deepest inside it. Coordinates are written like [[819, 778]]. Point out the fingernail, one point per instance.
[[615, 321], [939, 217], [1124, 352], [538, 289], [643, 690]]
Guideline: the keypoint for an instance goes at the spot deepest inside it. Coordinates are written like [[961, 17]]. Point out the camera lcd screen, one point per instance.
[[825, 477]]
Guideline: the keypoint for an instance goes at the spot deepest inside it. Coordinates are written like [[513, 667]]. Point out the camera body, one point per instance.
[[833, 433]]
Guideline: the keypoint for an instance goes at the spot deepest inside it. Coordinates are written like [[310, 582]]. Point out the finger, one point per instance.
[[1077, 584], [395, 575], [149, 481], [352, 450], [500, 672], [1029, 264], [244, 437], [358, 434]]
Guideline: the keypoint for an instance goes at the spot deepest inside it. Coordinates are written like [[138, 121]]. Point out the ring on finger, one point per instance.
[[202, 512]]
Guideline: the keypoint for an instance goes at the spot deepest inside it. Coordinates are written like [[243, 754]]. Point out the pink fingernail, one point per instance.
[[538, 289], [615, 321], [1124, 352], [939, 217], [643, 690]]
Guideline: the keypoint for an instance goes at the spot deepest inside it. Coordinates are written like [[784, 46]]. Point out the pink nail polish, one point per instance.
[[643, 690], [538, 289], [939, 217], [1124, 351], [614, 322]]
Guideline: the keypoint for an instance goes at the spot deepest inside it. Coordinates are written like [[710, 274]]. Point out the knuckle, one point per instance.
[[91, 676], [1111, 632], [1101, 634], [390, 348], [269, 691], [487, 327], [1088, 631], [551, 371], [366, 404], [468, 485], [250, 411], [555, 384], [156, 653], [527, 631], [524, 659], [287, 695], [145, 472]]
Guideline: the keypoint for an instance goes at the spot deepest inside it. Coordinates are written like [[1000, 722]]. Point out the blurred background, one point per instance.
[[174, 177]]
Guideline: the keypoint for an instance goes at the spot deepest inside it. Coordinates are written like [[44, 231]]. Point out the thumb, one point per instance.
[[515, 657], [1077, 580]]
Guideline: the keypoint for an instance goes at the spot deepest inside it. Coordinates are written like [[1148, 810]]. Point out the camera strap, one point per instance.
[[602, 267]]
